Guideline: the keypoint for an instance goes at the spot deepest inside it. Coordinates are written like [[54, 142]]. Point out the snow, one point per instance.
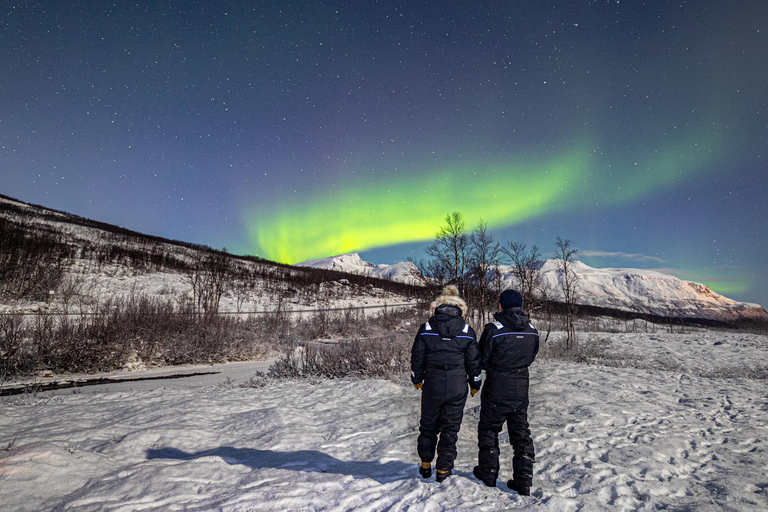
[[96, 281], [143, 377], [636, 290], [607, 438], [643, 291], [121, 281], [352, 263]]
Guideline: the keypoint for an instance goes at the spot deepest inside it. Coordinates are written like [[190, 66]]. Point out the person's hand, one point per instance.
[[473, 392], [418, 386]]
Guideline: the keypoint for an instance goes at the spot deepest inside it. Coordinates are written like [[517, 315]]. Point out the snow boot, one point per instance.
[[479, 476], [425, 470], [442, 474], [519, 488]]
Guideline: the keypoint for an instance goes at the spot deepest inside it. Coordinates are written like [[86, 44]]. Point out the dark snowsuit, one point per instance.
[[507, 347], [445, 357]]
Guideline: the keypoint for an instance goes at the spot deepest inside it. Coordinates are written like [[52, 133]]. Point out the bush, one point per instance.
[[154, 331], [593, 349], [159, 331], [381, 357], [32, 259]]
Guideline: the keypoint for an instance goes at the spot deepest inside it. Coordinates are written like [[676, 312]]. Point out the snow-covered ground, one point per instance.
[[628, 289], [93, 285], [87, 282], [607, 438]]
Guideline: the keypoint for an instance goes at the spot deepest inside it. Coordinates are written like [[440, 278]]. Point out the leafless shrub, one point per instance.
[[75, 286], [591, 350], [242, 287], [327, 323], [259, 380], [153, 330], [32, 259], [364, 358], [156, 331], [210, 276], [755, 372], [13, 350]]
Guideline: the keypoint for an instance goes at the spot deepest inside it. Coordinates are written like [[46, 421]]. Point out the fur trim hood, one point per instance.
[[451, 297]]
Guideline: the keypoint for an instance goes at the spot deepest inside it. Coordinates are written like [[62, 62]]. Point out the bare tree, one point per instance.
[[483, 263], [565, 255], [447, 262], [210, 277], [527, 266], [429, 273], [450, 248], [242, 286]]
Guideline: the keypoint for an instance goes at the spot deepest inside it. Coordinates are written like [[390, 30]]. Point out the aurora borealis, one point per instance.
[[298, 130]]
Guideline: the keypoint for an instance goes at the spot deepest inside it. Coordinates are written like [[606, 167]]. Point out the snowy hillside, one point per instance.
[[626, 289], [607, 438], [109, 261], [646, 291], [401, 272]]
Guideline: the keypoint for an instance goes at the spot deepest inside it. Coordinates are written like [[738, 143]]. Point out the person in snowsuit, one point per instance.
[[445, 358], [508, 346]]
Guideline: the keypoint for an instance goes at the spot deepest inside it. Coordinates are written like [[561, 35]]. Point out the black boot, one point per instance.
[[487, 481], [442, 474], [426, 469], [519, 488]]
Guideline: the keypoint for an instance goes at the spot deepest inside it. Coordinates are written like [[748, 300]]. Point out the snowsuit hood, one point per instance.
[[451, 297], [445, 357], [513, 318], [447, 321]]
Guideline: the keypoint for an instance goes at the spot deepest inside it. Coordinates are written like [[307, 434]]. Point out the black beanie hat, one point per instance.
[[510, 299]]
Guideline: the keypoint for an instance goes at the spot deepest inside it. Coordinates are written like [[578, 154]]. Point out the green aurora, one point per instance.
[[363, 216]]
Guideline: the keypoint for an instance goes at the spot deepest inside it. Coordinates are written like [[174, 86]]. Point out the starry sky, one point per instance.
[[298, 130]]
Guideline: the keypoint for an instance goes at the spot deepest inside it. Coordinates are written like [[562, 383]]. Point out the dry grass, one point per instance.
[[380, 357], [160, 332]]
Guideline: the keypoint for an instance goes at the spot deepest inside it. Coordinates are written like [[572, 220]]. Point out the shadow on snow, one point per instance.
[[310, 461]]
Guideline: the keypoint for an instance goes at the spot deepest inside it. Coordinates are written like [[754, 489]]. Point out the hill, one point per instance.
[[83, 260], [612, 291]]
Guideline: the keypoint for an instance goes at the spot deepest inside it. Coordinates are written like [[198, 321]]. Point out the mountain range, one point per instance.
[[640, 291]]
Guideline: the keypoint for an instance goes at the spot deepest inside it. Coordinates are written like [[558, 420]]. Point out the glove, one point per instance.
[[474, 384], [418, 386]]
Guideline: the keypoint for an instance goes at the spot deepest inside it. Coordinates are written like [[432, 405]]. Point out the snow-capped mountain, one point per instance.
[[645, 291], [401, 272], [627, 289]]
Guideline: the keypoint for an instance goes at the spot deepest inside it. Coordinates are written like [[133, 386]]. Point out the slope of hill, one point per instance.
[[97, 261], [648, 292], [104, 260], [638, 291]]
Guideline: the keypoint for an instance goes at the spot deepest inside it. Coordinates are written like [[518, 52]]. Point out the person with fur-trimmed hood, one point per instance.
[[508, 346], [444, 359]]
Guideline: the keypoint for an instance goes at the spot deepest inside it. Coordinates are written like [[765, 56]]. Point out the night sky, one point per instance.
[[297, 130]]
